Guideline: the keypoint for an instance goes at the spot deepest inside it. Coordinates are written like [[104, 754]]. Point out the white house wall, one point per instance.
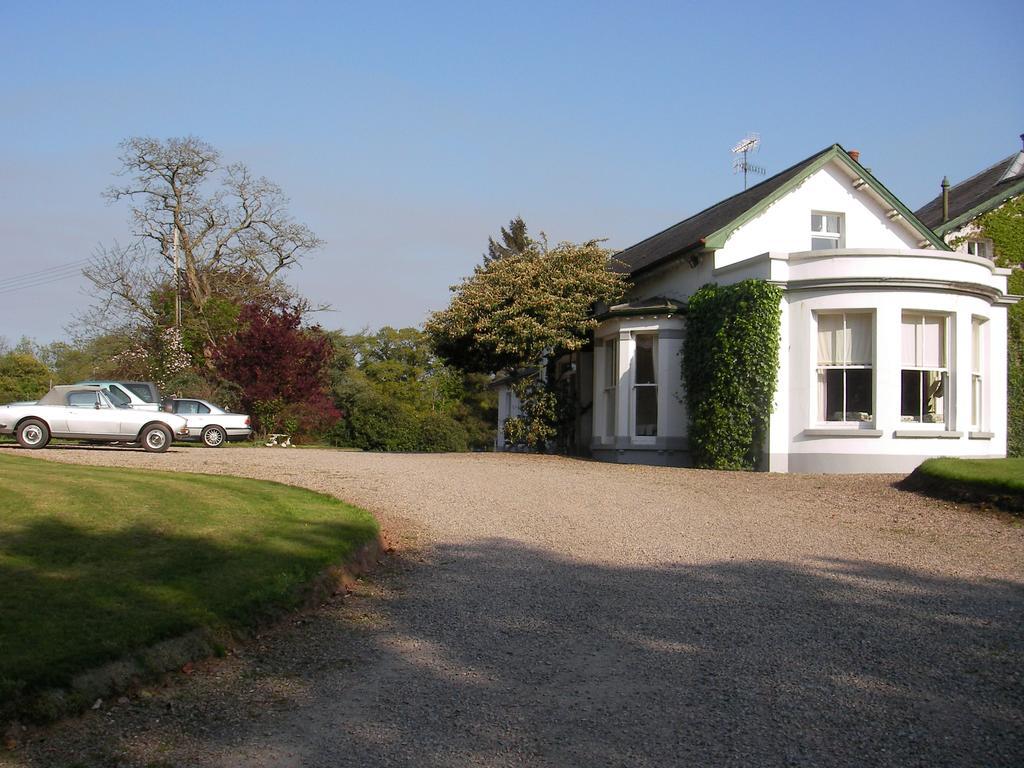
[[786, 224]]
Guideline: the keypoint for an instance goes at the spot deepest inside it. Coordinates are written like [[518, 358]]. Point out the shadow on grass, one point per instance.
[[977, 494], [500, 654], [72, 599]]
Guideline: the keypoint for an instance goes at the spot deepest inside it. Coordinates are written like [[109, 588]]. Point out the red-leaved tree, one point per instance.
[[280, 369]]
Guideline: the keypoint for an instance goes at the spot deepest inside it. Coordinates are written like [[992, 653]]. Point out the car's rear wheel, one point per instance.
[[33, 433], [213, 436], [155, 439]]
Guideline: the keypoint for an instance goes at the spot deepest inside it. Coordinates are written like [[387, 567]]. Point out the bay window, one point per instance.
[[845, 376], [925, 375], [645, 385]]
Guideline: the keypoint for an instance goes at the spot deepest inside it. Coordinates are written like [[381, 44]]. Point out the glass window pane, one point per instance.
[[645, 364], [910, 401], [858, 339], [934, 396], [834, 395], [832, 224], [976, 340], [858, 395], [823, 243], [646, 411], [934, 343], [82, 399], [908, 334], [829, 330], [816, 222]]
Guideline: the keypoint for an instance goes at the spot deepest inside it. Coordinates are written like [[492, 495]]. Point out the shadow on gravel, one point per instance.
[[497, 654]]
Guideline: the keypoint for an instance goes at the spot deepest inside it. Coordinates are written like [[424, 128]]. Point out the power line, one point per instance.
[[41, 277]]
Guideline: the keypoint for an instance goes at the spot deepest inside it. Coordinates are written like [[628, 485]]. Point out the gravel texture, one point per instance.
[[545, 611]]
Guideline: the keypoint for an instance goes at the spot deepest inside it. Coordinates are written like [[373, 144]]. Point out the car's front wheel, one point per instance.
[[155, 439], [33, 433], [213, 436]]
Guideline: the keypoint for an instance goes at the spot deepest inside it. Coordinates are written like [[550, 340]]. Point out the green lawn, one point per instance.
[[997, 480], [96, 563]]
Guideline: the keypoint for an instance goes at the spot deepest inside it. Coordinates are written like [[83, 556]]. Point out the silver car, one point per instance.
[[80, 412], [209, 423]]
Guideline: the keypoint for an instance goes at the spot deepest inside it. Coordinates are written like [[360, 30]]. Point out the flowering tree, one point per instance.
[[279, 368], [519, 310]]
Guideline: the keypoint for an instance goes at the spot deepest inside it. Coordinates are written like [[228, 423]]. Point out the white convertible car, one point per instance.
[[209, 423], [80, 412]]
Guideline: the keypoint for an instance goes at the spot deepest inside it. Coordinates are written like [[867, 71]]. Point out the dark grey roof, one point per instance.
[[690, 233], [981, 192]]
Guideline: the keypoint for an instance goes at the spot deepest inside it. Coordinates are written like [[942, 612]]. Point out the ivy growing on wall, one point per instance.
[[730, 366], [1005, 227]]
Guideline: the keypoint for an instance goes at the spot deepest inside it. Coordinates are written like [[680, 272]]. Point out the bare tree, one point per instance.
[[231, 232]]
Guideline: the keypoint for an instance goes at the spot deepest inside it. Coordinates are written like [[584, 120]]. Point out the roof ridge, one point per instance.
[[724, 200]]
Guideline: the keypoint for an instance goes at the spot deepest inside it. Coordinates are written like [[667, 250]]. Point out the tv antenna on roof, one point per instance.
[[744, 148]]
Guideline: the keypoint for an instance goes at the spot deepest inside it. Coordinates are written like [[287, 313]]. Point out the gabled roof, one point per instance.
[[977, 195], [711, 227]]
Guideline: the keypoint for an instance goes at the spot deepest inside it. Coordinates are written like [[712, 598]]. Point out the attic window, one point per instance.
[[978, 248], [826, 231]]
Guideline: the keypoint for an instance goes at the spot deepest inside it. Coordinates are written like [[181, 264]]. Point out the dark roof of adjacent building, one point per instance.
[[712, 226], [981, 193]]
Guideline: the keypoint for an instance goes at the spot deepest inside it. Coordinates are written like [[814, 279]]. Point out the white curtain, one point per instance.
[[844, 339], [924, 341]]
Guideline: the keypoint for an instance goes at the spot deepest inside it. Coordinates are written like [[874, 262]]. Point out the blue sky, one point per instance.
[[406, 133]]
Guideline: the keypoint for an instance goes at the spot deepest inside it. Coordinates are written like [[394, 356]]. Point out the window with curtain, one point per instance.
[[845, 379], [925, 375], [645, 385], [611, 382], [977, 371]]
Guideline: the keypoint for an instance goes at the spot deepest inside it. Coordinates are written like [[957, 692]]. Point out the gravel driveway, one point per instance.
[[544, 611]]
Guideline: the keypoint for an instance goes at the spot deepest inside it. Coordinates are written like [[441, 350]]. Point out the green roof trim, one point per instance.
[[717, 239], [988, 205]]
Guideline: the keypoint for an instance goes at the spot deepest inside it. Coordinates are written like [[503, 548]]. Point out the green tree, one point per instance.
[[514, 240], [397, 395], [22, 377]]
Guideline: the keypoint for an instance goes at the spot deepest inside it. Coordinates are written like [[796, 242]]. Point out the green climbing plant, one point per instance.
[[730, 366]]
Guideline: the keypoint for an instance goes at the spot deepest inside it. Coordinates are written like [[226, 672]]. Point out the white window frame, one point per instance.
[[837, 238], [821, 415], [943, 371], [979, 363], [611, 385], [980, 248], [634, 386]]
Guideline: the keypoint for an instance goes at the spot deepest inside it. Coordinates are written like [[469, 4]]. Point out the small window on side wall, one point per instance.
[[826, 231], [978, 248]]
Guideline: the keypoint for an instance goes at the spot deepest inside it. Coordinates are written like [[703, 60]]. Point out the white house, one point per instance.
[[893, 346]]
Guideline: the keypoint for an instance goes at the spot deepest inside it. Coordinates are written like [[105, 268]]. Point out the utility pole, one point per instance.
[[177, 283]]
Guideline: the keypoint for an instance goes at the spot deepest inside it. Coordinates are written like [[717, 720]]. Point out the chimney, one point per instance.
[[945, 199], [855, 154]]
